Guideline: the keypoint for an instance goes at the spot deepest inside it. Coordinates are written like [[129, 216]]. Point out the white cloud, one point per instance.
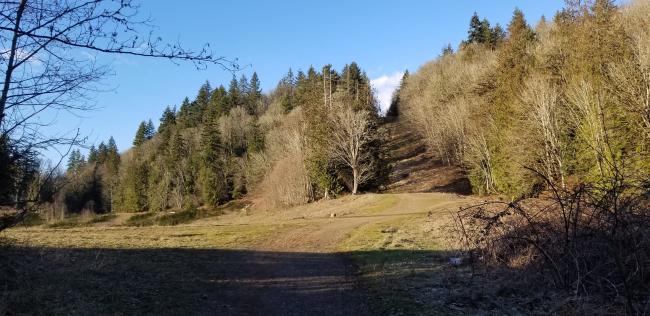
[[23, 54], [384, 87]]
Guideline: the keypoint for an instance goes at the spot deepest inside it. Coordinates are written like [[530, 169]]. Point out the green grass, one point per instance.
[[385, 202], [82, 221], [394, 256], [140, 220], [103, 218], [32, 219], [182, 217]]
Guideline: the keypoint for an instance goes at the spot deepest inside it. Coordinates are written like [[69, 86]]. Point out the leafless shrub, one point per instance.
[[591, 241]]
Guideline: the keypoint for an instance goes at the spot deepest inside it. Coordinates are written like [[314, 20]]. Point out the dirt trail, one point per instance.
[[332, 275], [414, 170]]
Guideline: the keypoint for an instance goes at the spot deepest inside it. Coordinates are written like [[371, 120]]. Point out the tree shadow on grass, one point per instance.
[[231, 282]]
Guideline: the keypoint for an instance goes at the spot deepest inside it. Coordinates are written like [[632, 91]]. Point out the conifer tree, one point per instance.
[[167, 120], [244, 88], [140, 134], [234, 94], [514, 61], [150, 130], [447, 50], [486, 32], [211, 174], [393, 110], [93, 157], [285, 91], [218, 104], [184, 115], [202, 100], [497, 35], [254, 95], [101, 152], [475, 33], [112, 157], [76, 161]]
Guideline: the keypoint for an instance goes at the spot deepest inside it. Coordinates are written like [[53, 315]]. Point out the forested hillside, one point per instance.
[[554, 120], [566, 100], [316, 135]]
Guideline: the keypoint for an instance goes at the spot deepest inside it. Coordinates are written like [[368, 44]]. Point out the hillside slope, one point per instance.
[[415, 169]]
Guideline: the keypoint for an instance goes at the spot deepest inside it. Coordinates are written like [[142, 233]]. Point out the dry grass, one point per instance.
[[240, 236]]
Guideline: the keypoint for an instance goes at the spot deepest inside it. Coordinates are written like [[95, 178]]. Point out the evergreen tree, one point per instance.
[[497, 35], [101, 152], [254, 95], [393, 110], [167, 120], [75, 161], [285, 92], [244, 88], [475, 33], [211, 173], [140, 134], [150, 130], [112, 157], [234, 94], [447, 50], [202, 100], [184, 117], [218, 103], [357, 91], [93, 156], [486, 32], [514, 62]]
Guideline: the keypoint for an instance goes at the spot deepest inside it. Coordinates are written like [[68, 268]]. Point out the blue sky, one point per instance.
[[384, 37]]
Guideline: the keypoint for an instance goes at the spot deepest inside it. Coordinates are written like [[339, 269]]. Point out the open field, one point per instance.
[[290, 262]]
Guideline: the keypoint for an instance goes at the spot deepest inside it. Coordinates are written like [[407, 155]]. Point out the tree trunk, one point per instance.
[[11, 60], [355, 180]]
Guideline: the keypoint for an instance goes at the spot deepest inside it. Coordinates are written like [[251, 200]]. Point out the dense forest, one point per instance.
[[566, 100], [315, 135]]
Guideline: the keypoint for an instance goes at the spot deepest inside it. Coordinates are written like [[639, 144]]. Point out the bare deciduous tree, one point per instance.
[[350, 132], [541, 98]]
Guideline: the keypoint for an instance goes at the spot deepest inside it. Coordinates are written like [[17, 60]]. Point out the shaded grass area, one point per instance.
[[404, 266], [172, 281], [176, 281]]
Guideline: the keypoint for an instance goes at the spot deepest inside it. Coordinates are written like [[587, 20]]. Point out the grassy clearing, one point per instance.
[[384, 202], [173, 218], [401, 263], [240, 236], [82, 220]]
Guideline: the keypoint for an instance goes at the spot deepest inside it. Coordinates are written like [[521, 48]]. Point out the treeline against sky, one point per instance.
[[315, 135]]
